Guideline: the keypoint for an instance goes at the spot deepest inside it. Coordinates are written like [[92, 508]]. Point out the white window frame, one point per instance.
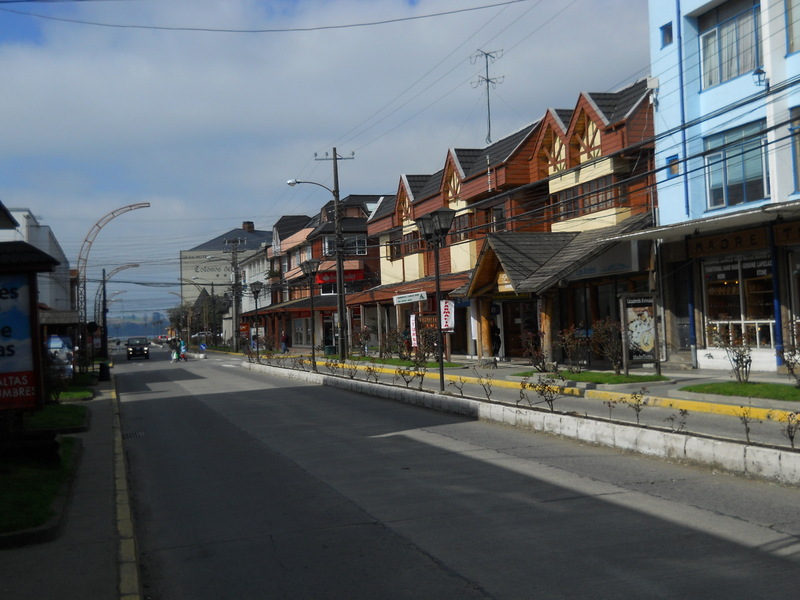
[[328, 245], [355, 245], [793, 25], [725, 162], [724, 54]]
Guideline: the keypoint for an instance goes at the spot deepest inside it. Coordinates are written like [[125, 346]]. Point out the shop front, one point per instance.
[[739, 296]]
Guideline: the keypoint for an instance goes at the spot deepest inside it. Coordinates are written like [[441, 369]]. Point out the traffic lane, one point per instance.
[[220, 514], [690, 484], [754, 516], [454, 506]]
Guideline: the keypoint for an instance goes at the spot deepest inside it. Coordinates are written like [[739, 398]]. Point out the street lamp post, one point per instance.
[[255, 288], [434, 227], [310, 268], [340, 308]]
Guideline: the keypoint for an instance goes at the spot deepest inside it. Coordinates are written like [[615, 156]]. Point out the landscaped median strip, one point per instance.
[[695, 406]]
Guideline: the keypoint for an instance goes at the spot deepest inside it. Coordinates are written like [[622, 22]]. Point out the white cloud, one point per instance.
[[207, 127]]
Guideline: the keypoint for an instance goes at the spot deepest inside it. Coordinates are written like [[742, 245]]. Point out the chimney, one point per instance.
[[248, 226]]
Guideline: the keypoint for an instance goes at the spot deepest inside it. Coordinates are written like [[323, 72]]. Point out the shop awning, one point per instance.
[[324, 302], [750, 217], [386, 293]]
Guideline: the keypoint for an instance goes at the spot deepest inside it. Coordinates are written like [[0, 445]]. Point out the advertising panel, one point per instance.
[[640, 327], [18, 381]]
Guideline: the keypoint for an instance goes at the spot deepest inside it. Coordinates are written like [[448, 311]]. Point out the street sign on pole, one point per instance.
[[409, 298]]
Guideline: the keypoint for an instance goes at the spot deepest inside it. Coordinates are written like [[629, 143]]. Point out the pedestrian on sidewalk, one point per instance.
[[284, 342], [496, 341], [366, 336]]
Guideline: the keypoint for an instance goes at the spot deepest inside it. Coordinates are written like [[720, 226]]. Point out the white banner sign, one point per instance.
[[448, 308], [409, 298]]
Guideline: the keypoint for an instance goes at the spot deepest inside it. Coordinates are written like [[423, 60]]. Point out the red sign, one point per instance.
[[448, 308], [244, 328], [18, 380], [330, 276]]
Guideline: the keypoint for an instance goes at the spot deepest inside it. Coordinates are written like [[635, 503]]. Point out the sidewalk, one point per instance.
[[86, 559]]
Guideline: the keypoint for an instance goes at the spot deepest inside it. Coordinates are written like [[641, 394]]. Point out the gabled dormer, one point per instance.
[[602, 149], [550, 152], [452, 185], [585, 143]]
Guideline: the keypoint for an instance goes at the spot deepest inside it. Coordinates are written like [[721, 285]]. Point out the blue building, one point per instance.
[[726, 113]]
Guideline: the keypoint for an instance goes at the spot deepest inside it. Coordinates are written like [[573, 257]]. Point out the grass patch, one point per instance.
[[771, 391], [76, 392], [56, 416], [601, 377], [28, 488]]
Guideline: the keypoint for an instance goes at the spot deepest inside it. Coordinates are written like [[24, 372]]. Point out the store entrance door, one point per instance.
[[519, 317]]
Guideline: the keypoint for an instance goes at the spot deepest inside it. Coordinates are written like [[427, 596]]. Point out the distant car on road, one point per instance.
[[138, 346], [162, 339]]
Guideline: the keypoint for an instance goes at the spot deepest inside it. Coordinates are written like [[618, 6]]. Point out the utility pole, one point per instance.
[[236, 287], [489, 82], [104, 322], [340, 285]]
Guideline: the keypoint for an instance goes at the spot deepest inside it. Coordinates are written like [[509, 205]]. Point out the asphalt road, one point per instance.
[[248, 486]]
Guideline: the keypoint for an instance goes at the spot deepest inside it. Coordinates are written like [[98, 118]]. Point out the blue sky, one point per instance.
[[207, 126]]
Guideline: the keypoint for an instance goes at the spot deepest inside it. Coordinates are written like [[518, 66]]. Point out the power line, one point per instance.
[[271, 30]]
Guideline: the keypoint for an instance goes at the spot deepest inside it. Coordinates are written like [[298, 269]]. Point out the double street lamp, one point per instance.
[[310, 268], [340, 308], [255, 289], [434, 227]]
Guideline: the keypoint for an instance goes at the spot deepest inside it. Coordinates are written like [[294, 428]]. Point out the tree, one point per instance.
[[607, 342], [179, 316]]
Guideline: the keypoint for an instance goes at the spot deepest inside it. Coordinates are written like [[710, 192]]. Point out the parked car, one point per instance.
[[138, 346]]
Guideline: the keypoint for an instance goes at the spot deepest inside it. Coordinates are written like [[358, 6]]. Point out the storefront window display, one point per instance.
[[739, 301]]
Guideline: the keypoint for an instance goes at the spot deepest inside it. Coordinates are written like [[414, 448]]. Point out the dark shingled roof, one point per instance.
[[564, 115], [535, 262], [474, 162], [416, 183], [382, 202], [20, 257], [288, 225], [386, 206], [349, 225], [431, 186], [616, 106], [253, 239]]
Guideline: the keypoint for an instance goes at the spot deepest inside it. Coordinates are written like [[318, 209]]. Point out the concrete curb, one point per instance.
[[771, 464], [127, 555]]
